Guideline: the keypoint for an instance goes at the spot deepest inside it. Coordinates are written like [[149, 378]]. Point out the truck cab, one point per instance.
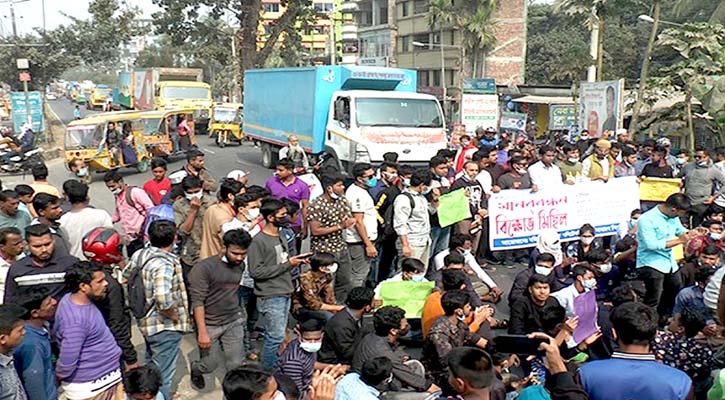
[[182, 94]]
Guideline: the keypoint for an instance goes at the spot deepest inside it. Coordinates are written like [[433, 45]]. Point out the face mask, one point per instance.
[[632, 223], [372, 182], [282, 222], [253, 213], [311, 347], [465, 144], [331, 269], [334, 196], [426, 191], [715, 236], [521, 171], [465, 252], [680, 161], [587, 240], [190, 196], [702, 163], [542, 270], [462, 317], [82, 172], [406, 182], [116, 191], [389, 176], [589, 284], [279, 396], [418, 278], [573, 160], [605, 268]]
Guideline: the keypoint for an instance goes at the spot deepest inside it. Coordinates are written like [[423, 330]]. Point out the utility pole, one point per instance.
[[644, 73], [43, 5], [593, 47], [12, 18]]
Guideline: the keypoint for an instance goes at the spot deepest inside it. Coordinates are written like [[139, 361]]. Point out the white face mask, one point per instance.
[[311, 347], [715, 236], [587, 240], [462, 317], [418, 278], [279, 396], [116, 191], [521, 171], [190, 196], [605, 268], [573, 160], [542, 270], [331, 269], [334, 196], [253, 213], [82, 172], [589, 284]]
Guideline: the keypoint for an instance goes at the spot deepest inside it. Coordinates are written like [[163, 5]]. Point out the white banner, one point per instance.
[[517, 216], [480, 110]]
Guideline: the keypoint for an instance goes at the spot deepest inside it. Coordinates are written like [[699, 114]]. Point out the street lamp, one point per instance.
[[443, 65], [647, 18]]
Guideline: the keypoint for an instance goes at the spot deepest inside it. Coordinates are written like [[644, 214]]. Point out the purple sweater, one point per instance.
[[88, 350]]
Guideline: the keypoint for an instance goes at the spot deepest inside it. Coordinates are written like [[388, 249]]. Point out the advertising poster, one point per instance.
[[562, 117], [512, 121], [479, 110], [601, 106], [20, 114]]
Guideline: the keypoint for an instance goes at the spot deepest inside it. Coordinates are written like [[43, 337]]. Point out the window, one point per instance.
[[449, 77], [383, 15], [421, 38], [271, 7], [423, 78], [405, 44], [404, 9], [420, 6], [323, 7], [435, 37], [436, 81]]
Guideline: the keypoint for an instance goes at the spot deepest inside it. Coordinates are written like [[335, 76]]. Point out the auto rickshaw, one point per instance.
[[225, 123], [86, 140], [161, 131]]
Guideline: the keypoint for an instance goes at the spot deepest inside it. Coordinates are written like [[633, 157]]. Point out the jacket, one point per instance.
[[117, 317], [596, 168]]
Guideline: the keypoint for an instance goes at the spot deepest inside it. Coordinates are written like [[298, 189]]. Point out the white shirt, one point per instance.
[[236, 223], [4, 268], [712, 290], [566, 297], [486, 181], [76, 224], [545, 177], [470, 262], [361, 202]]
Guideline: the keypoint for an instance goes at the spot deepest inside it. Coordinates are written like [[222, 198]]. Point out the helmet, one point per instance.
[[663, 141], [103, 245]]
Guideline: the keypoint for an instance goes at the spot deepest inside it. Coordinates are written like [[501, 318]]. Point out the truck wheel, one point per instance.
[[269, 156]]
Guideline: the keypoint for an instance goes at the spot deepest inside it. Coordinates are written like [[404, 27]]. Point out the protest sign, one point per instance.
[[658, 189], [585, 307], [479, 110], [517, 216], [600, 106], [408, 295], [453, 207]]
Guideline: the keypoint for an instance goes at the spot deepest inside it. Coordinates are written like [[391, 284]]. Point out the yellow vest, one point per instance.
[[597, 170]]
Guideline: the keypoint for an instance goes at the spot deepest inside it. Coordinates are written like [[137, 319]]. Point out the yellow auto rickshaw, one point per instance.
[[225, 123], [161, 131], [106, 141]]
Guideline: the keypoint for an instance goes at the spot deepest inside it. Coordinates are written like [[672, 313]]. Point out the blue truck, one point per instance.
[[349, 113]]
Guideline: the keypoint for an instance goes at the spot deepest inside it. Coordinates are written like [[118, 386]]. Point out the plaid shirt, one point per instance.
[[164, 284]]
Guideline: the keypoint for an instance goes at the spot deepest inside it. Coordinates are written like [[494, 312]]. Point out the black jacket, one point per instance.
[[521, 283], [562, 387], [117, 317], [342, 332]]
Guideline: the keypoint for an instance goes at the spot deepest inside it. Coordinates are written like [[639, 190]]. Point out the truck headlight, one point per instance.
[[361, 154]]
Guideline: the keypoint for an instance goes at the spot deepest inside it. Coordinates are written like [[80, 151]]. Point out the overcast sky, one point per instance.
[[28, 14]]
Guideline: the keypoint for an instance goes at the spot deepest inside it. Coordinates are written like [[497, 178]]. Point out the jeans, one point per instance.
[[359, 264], [439, 242], [226, 339], [248, 300], [162, 349], [660, 289], [386, 259], [274, 311], [343, 276]]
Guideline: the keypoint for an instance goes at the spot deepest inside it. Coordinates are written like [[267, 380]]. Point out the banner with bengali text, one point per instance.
[[517, 216]]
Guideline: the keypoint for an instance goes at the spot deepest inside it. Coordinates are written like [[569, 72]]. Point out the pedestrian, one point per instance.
[[214, 285], [49, 212], [703, 183], [168, 317], [487, 137], [285, 185], [40, 180], [33, 358], [683, 159], [294, 152], [387, 174], [12, 334], [25, 195], [79, 168], [12, 247], [270, 267], [43, 267], [343, 330], [158, 186], [216, 216], [195, 167], [81, 218], [184, 131], [627, 166], [600, 165], [76, 112], [544, 173], [411, 219], [362, 236], [571, 168], [247, 215], [329, 216], [189, 216], [132, 206], [477, 203], [465, 153], [89, 361], [143, 383], [386, 233], [441, 183], [316, 297], [10, 215], [103, 246]]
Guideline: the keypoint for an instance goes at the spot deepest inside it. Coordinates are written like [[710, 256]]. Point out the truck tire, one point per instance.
[[269, 156]]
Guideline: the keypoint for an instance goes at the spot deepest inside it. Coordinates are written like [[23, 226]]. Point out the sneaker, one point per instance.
[[197, 378]]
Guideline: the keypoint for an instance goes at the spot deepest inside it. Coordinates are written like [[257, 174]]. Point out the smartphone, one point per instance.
[[517, 344]]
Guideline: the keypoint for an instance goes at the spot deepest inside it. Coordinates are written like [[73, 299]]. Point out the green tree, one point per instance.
[[712, 11]]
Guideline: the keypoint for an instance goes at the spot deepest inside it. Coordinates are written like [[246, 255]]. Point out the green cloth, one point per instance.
[[717, 392], [408, 295], [453, 207]]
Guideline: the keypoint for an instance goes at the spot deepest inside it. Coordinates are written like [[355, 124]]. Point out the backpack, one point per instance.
[[129, 199], [137, 292], [389, 214]]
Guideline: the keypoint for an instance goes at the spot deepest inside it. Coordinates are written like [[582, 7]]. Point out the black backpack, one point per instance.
[[137, 292], [389, 214]]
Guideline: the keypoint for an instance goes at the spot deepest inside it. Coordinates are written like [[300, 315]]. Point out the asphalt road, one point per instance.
[[219, 162]]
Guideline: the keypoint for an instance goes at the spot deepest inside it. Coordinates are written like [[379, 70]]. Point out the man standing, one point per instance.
[[287, 186], [411, 219], [40, 180], [189, 214], [571, 168], [658, 231], [49, 212], [544, 174], [168, 317], [701, 179], [440, 182], [361, 238], [132, 206], [270, 267], [487, 137], [10, 216], [214, 287], [195, 167], [44, 267], [658, 168], [89, 360], [600, 165], [81, 219], [294, 152], [159, 185], [12, 246], [329, 215], [12, 333], [217, 215], [626, 167]]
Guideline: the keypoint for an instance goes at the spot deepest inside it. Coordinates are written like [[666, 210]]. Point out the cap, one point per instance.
[[177, 177], [603, 143], [236, 174], [663, 141], [621, 131]]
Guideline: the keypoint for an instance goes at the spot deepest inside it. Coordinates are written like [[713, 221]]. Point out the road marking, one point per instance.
[[207, 150], [56, 115]]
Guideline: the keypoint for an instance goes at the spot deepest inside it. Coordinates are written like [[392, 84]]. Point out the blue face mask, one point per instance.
[[372, 182], [418, 278]]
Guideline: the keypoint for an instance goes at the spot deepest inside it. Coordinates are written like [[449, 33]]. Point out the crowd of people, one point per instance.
[[287, 293]]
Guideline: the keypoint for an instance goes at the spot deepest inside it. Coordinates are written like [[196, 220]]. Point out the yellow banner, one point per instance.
[[658, 189]]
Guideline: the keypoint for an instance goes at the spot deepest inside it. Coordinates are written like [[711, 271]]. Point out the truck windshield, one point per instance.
[[104, 92], [82, 137], [179, 92], [398, 112]]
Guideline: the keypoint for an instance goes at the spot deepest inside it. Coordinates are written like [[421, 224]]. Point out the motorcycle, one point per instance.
[[14, 162]]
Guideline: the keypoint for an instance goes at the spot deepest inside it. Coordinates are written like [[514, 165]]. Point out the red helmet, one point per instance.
[[103, 245]]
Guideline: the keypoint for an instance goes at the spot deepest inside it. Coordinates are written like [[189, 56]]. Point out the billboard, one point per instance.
[[143, 88], [479, 110], [513, 121], [561, 117], [601, 106], [125, 90], [20, 116]]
